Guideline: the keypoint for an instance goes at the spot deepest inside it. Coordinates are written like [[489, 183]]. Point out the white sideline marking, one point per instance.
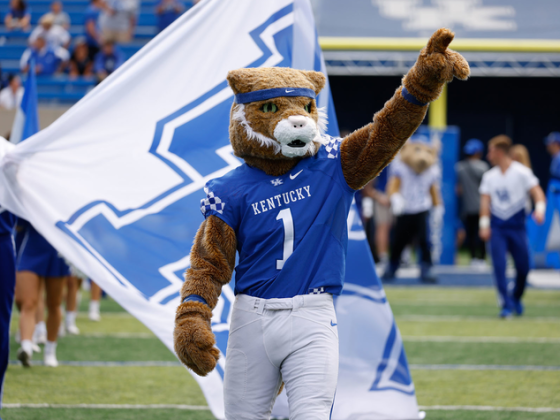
[[460, 318], [489, 408], [453, 339], [106, 364], [110, 335], [485, 367], [412, 366], [119, 406]]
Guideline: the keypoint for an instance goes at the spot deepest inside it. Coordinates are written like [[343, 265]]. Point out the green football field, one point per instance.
[[466, 363]]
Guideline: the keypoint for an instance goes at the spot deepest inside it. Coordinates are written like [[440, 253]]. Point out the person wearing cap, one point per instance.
[[55, 35], [503, 197], [469, 175]]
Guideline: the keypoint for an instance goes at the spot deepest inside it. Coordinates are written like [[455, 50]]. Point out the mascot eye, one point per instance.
[[269, 108], [307, 107]]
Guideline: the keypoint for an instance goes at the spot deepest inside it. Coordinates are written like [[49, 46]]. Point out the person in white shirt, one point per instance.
[[61, 18], [413, 188], [503, 196], [55, 35], [10, 96]]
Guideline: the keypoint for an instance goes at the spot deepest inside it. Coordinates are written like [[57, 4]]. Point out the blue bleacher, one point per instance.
[[60, 88]]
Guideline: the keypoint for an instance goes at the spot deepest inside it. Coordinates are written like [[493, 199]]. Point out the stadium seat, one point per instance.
[[60, 88]]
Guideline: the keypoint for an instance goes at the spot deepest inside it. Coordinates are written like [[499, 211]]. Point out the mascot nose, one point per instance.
[[297, 121]]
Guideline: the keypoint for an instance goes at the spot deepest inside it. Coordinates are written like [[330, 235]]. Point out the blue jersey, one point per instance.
[[291, 230], [7, 222], [555, 167]]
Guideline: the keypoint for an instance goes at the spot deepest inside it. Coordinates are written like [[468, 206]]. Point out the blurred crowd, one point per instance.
[[382, 214], [94, 53]]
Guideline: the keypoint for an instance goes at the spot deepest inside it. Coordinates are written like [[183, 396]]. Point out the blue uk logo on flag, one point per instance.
[[129, 222]]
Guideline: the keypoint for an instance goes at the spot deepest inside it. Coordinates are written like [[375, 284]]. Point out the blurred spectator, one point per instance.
[[60, 16], [503, 190], [10, 96], [107, 60], [167, 11], [552, 142], [91, 18], [469, 175], [48, 60], [55, 35], [117, 20], [19, 16], [520, 154], [80, 63]]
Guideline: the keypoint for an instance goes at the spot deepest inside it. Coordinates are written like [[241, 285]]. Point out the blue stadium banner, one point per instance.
[[545, 238], [115, 185]]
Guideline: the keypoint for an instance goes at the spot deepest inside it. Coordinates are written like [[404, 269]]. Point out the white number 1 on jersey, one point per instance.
[[286, 217]]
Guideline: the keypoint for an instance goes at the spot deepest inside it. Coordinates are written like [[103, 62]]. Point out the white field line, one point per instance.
[[110, 335], [486, 367], [412, 366], [205, 408], [452, 339], [459, 318], [490, 408], [111, 406], [107, 364]]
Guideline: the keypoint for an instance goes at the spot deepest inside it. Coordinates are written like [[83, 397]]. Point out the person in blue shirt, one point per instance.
[[167, 12], [48, 60], [107, 60], [552, 142], [7, 286], [91, 27], [19, 16]]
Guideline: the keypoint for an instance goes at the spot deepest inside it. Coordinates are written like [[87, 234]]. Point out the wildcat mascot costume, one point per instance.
[[414, 188], [284, 211]]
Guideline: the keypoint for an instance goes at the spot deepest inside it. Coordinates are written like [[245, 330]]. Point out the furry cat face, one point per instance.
[[280, 128]]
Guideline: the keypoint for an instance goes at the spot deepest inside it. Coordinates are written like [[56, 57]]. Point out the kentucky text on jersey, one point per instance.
[[277, 200], [291, 230]]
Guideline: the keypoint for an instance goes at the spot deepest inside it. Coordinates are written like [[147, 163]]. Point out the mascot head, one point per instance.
[[419, 153], [274, 116]]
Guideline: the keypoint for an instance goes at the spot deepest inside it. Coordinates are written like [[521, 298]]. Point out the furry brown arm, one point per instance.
[[368, 150], [212, 263], [435, 194]]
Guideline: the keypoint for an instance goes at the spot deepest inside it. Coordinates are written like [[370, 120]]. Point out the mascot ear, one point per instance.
[[236, 80], [318, 80]]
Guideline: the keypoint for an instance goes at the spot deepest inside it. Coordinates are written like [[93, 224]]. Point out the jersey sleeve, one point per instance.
[[530, 179], [555, 167], [331, 153], [217, 203], [484, 185]]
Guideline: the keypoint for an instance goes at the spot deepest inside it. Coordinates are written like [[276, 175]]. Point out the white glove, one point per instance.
[[438, 212], [397, 204]]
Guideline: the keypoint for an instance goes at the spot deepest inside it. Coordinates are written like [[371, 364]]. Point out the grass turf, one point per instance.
[[134, 414], [101, 385], [421, 313]]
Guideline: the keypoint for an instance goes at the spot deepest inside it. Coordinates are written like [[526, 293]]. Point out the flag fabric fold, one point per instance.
[[26, 121], [115, 184]]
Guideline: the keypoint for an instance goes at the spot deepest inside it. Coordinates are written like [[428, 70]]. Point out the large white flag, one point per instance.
[[115, 186]]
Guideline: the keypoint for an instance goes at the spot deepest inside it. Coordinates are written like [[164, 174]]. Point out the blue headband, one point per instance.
[[263, 95]]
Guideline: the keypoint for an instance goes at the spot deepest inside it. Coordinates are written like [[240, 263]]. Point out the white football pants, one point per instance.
[[270, 340]]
